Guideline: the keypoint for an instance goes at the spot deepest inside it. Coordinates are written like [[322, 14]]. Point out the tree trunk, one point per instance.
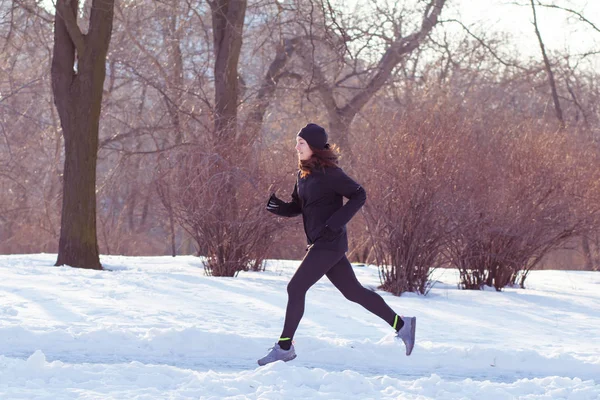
[[228, 22], [587, 254], [78, 99], [339, 130], [549, 72], [266, 93], [176, 84]]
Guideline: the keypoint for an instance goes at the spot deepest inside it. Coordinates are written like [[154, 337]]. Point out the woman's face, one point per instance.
[[304, 151]]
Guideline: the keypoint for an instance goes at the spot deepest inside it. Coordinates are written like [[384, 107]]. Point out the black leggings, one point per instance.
[[336, 266]]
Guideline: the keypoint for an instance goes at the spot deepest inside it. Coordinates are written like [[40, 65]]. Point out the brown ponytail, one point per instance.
[[327, 157]]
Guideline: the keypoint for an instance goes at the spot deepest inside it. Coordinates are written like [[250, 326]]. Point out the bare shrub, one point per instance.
[[457, 185], [231, 232], [521, 197], [407, 189]]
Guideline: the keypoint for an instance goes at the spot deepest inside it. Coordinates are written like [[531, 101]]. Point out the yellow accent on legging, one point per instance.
[[395, 321], [284, 338]]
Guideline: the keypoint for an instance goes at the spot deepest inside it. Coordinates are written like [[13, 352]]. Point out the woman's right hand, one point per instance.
[[274, 204]]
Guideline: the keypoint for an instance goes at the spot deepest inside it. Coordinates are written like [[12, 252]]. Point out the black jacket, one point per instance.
[[319, 198]]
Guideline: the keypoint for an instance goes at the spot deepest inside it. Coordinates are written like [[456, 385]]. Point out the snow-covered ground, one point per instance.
[[157, 328]]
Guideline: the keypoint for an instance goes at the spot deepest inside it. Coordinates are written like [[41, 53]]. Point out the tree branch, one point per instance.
[[576, 102], [393, 55], [579, 15], [35, 10], [319, 77], [274, 74], [101, 21], [65, 11], [486, 46], [11, 24], [551, 80]]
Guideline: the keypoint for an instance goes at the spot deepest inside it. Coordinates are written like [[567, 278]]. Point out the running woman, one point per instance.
[[318, 196]]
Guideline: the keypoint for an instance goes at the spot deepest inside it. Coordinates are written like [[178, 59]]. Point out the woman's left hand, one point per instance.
[[329, 234]]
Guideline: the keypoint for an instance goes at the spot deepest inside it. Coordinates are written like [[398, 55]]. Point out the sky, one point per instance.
[[158, 328], [558, 29]]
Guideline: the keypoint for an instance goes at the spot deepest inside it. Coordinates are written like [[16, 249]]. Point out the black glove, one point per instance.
[[274, 204]]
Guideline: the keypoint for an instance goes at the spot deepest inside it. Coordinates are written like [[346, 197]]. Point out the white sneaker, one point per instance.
[[278, 354], [407, 333]]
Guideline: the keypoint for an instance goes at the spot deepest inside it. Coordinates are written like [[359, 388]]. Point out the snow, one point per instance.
[[158, 328]]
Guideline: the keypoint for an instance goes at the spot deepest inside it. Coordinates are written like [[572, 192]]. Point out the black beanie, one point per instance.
[[314, 135]]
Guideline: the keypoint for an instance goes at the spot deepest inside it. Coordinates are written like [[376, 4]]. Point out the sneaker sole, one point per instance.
[[262, 364]]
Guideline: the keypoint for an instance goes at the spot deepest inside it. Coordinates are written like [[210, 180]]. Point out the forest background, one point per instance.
[[161, 127]]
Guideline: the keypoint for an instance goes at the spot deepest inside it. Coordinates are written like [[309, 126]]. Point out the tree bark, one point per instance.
[[78, 72], [587, 254], [228, 23], [176, 84]]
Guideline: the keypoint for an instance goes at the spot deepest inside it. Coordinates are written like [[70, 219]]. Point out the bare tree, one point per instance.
[[397, 47], [158, 72], [78, 72], [30, 165], [325, 53], [555, 97], [266, 93]]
